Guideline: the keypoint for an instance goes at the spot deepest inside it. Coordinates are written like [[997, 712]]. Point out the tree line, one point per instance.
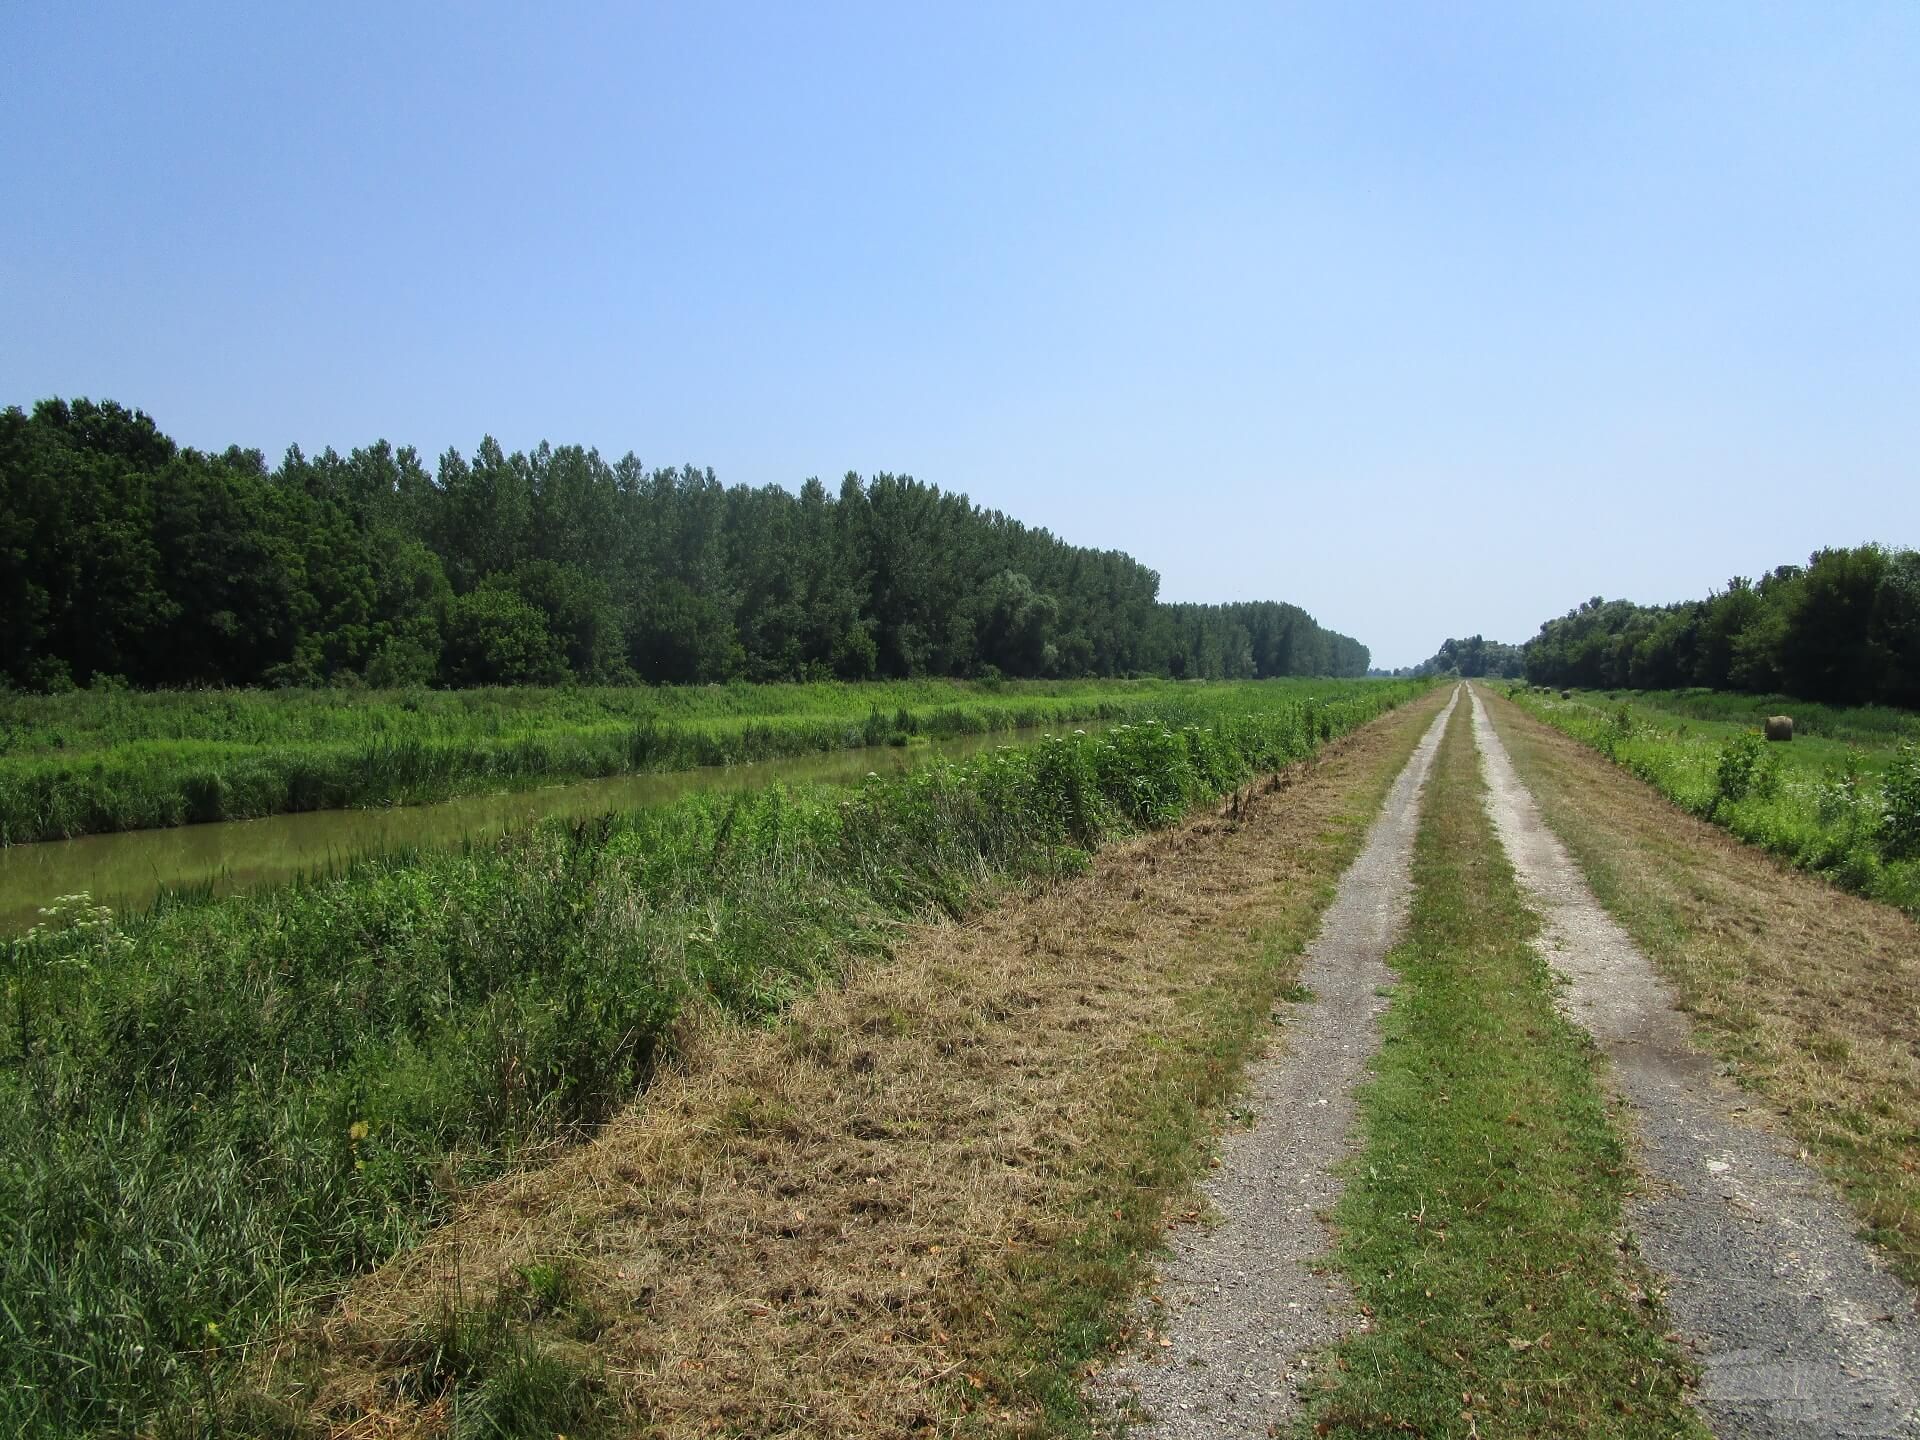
[[1843, 629], [125, 555], [1471, 659]]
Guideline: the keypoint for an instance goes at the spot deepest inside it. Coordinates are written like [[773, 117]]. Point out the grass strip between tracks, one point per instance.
[[1481, 1225]]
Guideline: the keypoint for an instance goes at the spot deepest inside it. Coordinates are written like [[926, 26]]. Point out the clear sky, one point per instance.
[[1434, 319]]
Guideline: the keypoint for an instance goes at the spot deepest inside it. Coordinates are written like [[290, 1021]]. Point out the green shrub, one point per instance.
[[1840, 794], [1737, 765], [1900, 824]]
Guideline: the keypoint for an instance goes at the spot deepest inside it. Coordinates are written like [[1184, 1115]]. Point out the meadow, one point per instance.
[[217, 1112], [1842, 799], [108, 759]]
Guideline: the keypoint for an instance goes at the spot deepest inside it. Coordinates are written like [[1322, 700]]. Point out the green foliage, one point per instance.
[[1842, 630], [1474, 658], [496, 638], [1737, 767], [1017, 626], [111, 759], [1900, 829], [124, 554], [1841, 792], [1867, 724]]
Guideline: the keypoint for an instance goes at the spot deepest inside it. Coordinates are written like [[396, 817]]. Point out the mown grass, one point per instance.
[[211, 1118], [1842, 799], [1481, 1220], [98, 761]]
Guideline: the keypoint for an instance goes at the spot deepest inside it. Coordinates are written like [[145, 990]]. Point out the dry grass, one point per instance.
[[1810, 996], [922, 1202]]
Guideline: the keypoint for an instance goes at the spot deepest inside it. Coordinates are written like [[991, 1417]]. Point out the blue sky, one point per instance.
[[1433, 319]]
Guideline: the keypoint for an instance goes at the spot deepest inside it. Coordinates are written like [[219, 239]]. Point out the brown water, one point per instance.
[[127, 870]]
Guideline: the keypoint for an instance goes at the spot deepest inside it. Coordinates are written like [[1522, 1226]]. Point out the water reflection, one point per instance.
[[129, 869]]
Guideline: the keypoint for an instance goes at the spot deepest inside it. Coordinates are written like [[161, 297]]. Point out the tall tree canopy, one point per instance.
[[123, 554], [1844, 628], [1473, 658]]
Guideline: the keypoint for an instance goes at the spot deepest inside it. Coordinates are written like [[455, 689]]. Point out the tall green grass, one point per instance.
[[111, 759], [209, 1118], [1842, 799]]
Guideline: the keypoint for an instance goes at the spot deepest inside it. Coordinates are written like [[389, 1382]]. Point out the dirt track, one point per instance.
[[1800, 1330], [819, 1230], [1249, 1297]]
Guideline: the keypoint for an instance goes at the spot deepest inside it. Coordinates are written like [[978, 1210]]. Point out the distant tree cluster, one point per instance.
[[124, 555], [1474, 658], [1843, 629]]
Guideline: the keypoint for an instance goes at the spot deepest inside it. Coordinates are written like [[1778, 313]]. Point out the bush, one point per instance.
[[400, 662], [1736, 767], [1839, 795], [1900, 826], [496, 638]]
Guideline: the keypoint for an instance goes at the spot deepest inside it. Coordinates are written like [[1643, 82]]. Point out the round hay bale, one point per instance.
[[1779, 727], [1566, 694]]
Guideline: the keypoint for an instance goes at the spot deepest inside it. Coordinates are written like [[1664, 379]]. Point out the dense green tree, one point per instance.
[[233, 577], [76, 508], [1825, 646], [1016, 625], [1895, 630], [496, 638], [126, 555], [1473, 658], [578, 611], [1844, 628]]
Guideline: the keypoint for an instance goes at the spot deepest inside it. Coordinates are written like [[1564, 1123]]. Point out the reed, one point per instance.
[[107, 760]]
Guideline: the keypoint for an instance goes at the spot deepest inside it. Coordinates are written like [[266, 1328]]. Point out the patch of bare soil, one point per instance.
[[871, 1219], [1247, 1298], [1801, 1329]]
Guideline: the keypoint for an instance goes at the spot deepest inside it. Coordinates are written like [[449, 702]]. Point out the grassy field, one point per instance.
[[1480, 1225], [1842, 799], [213, 1116], [1856, 724], [102, 760]]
